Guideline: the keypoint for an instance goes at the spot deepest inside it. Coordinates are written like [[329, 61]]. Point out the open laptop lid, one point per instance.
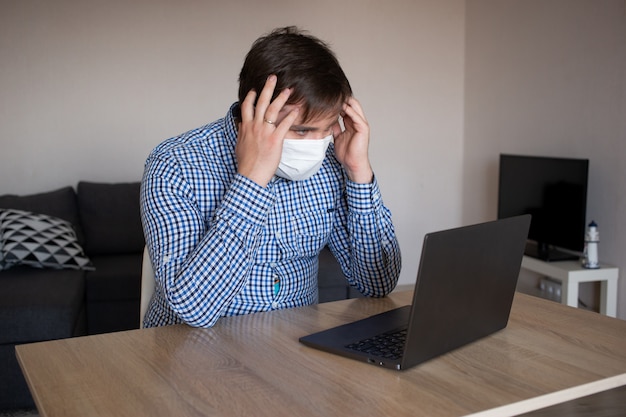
[[465, 286], [464, 291]]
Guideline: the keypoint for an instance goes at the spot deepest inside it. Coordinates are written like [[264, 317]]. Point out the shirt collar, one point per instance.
[[230, 122]]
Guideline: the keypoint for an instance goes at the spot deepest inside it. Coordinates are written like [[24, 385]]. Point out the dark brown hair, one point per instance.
[[302, 62]]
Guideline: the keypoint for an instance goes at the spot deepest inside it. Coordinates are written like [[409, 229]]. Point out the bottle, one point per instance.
[[590, 256]]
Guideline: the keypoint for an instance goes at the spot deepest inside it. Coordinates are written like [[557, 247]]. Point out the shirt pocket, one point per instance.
[[311, 231]]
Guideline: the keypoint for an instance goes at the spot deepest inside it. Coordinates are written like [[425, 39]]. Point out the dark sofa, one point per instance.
[[38, 304]]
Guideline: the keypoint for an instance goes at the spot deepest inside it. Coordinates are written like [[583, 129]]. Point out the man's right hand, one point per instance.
[[261, 133]]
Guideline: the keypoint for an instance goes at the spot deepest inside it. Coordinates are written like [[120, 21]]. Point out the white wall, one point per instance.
[[88, 88], [549, 78]]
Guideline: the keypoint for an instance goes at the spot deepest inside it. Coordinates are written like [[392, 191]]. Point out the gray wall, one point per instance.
[[549, 78], [90, 87]]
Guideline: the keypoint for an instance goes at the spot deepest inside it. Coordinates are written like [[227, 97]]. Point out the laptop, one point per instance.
[[464, 290]]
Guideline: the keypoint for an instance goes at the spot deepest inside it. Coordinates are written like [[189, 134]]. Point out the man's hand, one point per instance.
[[351, 145], [260, 136]]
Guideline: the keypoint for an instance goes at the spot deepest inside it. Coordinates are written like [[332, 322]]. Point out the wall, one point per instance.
[[549, 78], [88, 88]]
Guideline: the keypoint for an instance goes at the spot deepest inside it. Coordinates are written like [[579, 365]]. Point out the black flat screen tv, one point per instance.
[[554, 192]]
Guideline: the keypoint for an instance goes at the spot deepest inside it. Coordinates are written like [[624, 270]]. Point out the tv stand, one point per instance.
[[571, 274], [548, 253]]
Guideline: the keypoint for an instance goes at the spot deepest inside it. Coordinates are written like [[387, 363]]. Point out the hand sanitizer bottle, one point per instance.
[[592, 237]]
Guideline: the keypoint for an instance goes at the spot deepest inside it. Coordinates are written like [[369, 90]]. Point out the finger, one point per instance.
[[277, 105], [247, 107], [336, 129], [352, 113], [265, 97], [348, 115], [354, 119], [356, 105], [285, 124]]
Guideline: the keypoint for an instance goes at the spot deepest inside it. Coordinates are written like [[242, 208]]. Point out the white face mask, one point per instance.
[[302, 158]]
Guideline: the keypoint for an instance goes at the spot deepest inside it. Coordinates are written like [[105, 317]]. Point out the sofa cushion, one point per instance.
[[59, 203], [117, 277], [110, 217], [40, 241], [112, 293], [37, 304], [112, 316]]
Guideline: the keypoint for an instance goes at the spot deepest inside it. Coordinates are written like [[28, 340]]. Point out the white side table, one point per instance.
[[571, 274]]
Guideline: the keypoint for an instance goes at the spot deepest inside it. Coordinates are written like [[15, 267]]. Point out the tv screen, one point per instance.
[[554, 192]]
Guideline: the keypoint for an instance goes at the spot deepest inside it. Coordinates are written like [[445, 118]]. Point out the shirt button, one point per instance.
[[274, 305]]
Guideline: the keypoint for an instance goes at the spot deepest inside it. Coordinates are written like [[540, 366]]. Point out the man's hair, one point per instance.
[[302, 62]]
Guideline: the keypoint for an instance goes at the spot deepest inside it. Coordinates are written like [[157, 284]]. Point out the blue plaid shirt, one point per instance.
[[222, 245]]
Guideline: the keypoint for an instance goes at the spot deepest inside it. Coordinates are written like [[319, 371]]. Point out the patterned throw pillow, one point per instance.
[[40, 241]]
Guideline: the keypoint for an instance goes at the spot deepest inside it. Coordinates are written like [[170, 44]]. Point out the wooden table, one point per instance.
[[253, 365]]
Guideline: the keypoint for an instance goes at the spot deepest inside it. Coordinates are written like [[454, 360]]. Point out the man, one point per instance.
[[236, 212]]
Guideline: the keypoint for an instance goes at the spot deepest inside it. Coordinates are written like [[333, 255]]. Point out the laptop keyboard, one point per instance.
[[387, 345]]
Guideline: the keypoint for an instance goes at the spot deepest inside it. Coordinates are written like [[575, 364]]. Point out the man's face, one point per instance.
[[317, 128]]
